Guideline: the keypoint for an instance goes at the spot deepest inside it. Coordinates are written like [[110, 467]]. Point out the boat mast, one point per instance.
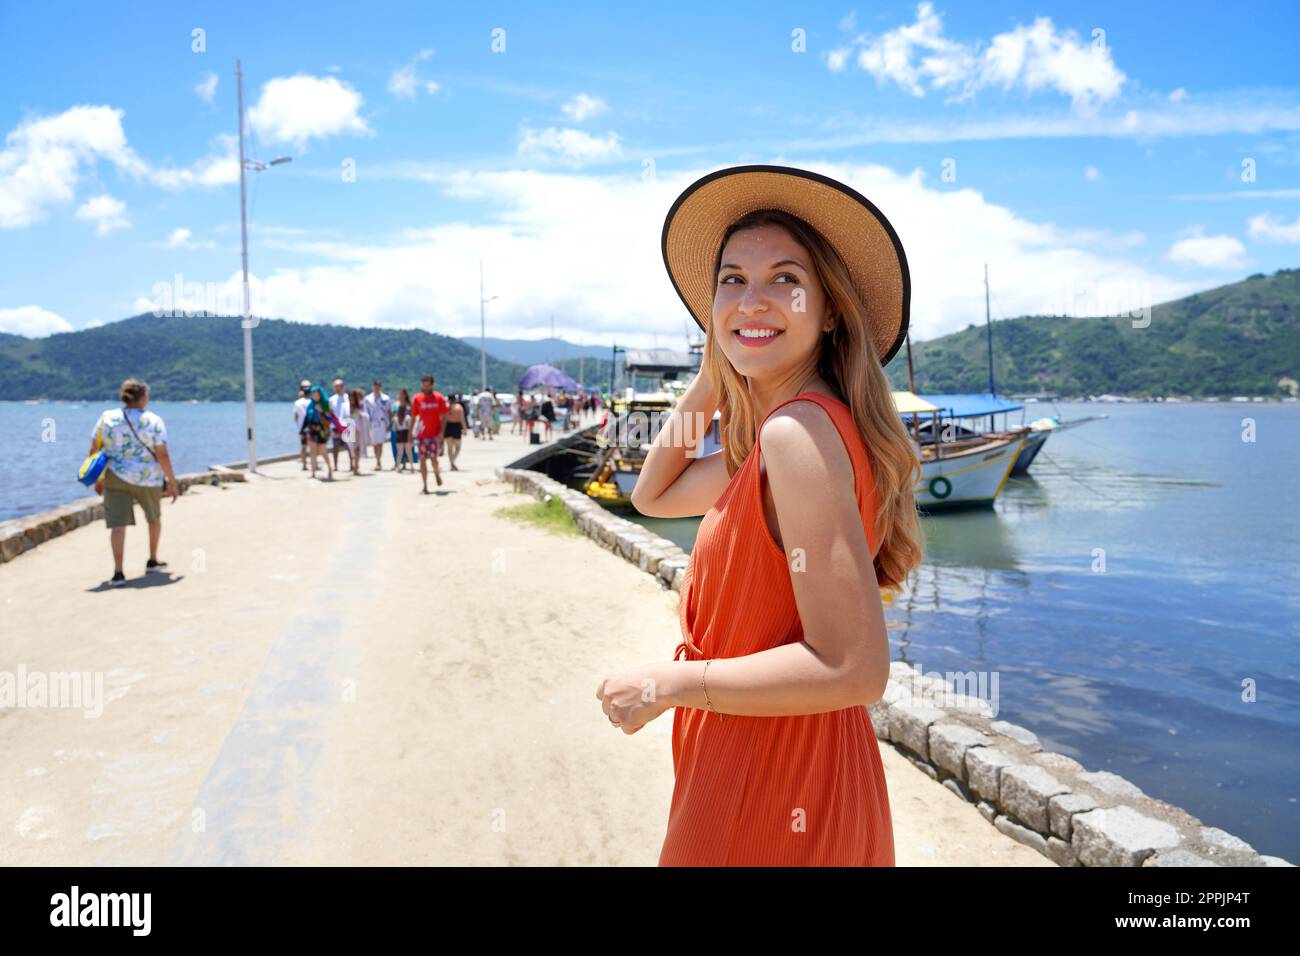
[[911, 386], [988, 326]]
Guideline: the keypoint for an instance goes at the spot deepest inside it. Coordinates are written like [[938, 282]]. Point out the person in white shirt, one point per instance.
[[300, 417], [379, 410], [339, 405], [485, 418]]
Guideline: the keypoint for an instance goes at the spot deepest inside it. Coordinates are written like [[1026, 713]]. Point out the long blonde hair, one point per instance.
[[848, 362]]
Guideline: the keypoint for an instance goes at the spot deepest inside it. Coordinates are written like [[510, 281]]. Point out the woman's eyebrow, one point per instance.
[[783, 262]]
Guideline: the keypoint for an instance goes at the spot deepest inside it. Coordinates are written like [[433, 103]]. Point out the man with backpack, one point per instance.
[[139, 472]]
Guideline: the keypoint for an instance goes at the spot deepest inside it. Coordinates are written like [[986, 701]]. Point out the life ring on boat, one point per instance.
[[940, 481]]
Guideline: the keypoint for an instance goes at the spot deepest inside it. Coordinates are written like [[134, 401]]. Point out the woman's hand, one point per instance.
[[99, 486], [636, 697]]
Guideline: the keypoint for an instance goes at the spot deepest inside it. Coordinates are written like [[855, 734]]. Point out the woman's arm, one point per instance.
[[843, 659], [674, 481]]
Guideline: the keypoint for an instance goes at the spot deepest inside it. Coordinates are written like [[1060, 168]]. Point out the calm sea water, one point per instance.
[[1137, 669], [49, 440]]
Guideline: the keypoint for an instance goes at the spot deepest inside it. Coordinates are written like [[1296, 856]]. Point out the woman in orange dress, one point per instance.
[[801, 287]]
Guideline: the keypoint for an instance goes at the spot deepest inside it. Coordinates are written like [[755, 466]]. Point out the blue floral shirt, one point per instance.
[[127, 458]]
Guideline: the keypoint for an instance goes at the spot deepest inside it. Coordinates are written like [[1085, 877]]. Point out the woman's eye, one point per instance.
[[789, 275], [724, 280]]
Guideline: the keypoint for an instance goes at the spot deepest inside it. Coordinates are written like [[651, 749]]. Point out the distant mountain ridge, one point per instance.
[[1238, 339], [202, 358], [536, 351]]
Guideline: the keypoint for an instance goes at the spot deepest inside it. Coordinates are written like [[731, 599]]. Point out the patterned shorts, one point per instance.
[[429, 446]]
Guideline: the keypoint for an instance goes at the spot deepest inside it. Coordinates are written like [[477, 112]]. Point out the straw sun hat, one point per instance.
[[858, 231]]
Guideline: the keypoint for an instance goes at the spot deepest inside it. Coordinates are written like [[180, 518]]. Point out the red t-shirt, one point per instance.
[[429, 409]]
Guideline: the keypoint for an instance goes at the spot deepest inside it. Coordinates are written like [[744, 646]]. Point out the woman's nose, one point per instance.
[[753, 299]]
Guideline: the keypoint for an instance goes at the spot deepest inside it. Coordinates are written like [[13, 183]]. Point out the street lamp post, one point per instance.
[[247, 322], [613, 361], [482, 328]]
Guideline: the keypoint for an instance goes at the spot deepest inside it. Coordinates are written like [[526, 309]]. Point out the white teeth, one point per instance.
[[757, 333]]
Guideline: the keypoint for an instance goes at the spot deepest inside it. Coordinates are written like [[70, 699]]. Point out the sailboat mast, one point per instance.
[[988, 327], [911, 384]]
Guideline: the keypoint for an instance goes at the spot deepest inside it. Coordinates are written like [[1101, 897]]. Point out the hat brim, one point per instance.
[[859, 233]]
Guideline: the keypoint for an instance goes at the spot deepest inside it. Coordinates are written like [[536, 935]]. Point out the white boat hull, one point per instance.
[[970, 479]]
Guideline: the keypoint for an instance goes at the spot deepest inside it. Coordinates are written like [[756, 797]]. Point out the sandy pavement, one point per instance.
[[351, 672]]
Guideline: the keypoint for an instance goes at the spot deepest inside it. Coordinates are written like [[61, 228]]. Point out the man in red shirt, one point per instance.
[[429, 409]]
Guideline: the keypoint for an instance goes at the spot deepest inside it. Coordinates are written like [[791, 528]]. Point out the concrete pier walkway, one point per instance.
[[353, 672]]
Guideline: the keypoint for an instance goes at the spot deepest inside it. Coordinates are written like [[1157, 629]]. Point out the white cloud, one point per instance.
[[43, 160], [207, 88], [836, 59], [32, 321], [107, 212], [1249, 111], [404, 82], [1092, 174], [1209, 252], [1178, 95], [582, 106], [1272, 228], [220, 168], [573, 146], [299, 108], [1030, 58], [182, 238], [587, 248]]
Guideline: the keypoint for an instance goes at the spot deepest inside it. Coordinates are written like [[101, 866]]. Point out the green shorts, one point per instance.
[[118, 498]]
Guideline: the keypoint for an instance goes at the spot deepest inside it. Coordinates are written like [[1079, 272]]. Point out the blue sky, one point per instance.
[[1097, 157]]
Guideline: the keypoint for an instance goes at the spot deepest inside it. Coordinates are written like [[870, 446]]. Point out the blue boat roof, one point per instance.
[[970, 404]]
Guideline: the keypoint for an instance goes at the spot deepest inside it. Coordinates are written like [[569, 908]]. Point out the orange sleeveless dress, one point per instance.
[[806, 790]]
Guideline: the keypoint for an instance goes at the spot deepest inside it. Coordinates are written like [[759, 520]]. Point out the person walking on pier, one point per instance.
[[318, 422], [801, 287], [139, 472], [485, 414], [299, 414], [402, 428], [429, 409], [546, 414], [359, 429], [517, 414], [455, 427], [339, 407], [378, 408]]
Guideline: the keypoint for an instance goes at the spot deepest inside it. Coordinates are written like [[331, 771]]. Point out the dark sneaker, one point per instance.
[[119, 579], [152, 565]]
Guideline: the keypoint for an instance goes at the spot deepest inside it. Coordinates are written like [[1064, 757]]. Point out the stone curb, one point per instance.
[[1045, 800], [22, 534]]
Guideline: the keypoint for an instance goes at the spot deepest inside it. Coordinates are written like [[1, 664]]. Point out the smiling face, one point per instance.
[[769, 307]]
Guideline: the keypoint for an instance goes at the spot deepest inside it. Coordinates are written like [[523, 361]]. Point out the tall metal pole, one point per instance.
[[482, 330], [988, 324], [911, 386], [247, 323]]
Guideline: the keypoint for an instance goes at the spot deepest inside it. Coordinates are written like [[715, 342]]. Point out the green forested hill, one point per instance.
[[1238, 339], [202, 358]]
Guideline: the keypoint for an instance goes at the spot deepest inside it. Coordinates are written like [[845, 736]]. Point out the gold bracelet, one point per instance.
[[708, 703]]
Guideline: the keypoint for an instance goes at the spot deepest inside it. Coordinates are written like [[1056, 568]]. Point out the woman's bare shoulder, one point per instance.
[[801, 440]]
